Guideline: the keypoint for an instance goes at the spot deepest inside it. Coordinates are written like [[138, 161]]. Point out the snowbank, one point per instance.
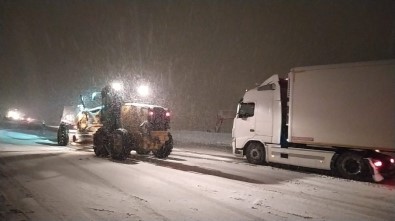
[[179, 136], [200, 137]]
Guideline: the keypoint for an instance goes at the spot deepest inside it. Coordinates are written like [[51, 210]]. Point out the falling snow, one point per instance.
[[197, 56]]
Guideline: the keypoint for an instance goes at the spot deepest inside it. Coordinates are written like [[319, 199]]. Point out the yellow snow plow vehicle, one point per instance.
[[131, 126]]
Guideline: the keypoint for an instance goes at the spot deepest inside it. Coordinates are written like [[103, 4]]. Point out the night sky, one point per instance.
[[198, 56]]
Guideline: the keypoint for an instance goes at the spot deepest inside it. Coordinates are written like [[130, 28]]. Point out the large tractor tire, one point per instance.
[[119, 144], [63, 135], [165, 150], [256, 153], [351, 165], [100, 141]]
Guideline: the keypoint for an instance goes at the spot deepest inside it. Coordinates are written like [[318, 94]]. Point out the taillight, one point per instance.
[[378, 163], [167, 114]]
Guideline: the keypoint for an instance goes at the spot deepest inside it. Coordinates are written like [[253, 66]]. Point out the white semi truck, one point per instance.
[[333, 117]]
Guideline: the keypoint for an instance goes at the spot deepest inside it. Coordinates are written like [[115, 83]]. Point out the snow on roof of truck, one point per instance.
[[343, 65]]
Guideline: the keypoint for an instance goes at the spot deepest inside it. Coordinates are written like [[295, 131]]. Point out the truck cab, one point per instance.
[[259, 116]]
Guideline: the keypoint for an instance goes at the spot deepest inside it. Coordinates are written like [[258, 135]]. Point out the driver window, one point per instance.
[[246, 110]]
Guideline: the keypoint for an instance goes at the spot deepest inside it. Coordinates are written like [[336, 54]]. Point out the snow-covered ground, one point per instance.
[[41, 181]]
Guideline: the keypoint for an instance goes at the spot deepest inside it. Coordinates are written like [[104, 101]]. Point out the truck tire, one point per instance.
[[256, 153], [100, 140], [119, 144], [165, 150], [350, 165], [63, 135]]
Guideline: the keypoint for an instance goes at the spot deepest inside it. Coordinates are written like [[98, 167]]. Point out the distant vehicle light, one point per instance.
[[117, 86], [167, 114], [143, 90], [151, 113], [29, 119], [392, 160], [378, 163], [14, 114]]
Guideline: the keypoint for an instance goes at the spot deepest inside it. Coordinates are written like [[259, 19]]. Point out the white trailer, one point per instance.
[[332, 117]]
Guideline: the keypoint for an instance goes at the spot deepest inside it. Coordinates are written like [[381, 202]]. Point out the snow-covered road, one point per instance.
[[41, 181]]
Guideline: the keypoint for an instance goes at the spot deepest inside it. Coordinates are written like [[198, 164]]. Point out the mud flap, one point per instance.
[[376, 176]]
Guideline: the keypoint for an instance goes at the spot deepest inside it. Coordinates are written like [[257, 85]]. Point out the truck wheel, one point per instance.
[[119, 145], [256, 153], [165, 150], [63, 135], [350, 165], [100, 139]]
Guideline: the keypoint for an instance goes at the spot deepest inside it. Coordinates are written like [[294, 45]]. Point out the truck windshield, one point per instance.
[[246, 110]]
